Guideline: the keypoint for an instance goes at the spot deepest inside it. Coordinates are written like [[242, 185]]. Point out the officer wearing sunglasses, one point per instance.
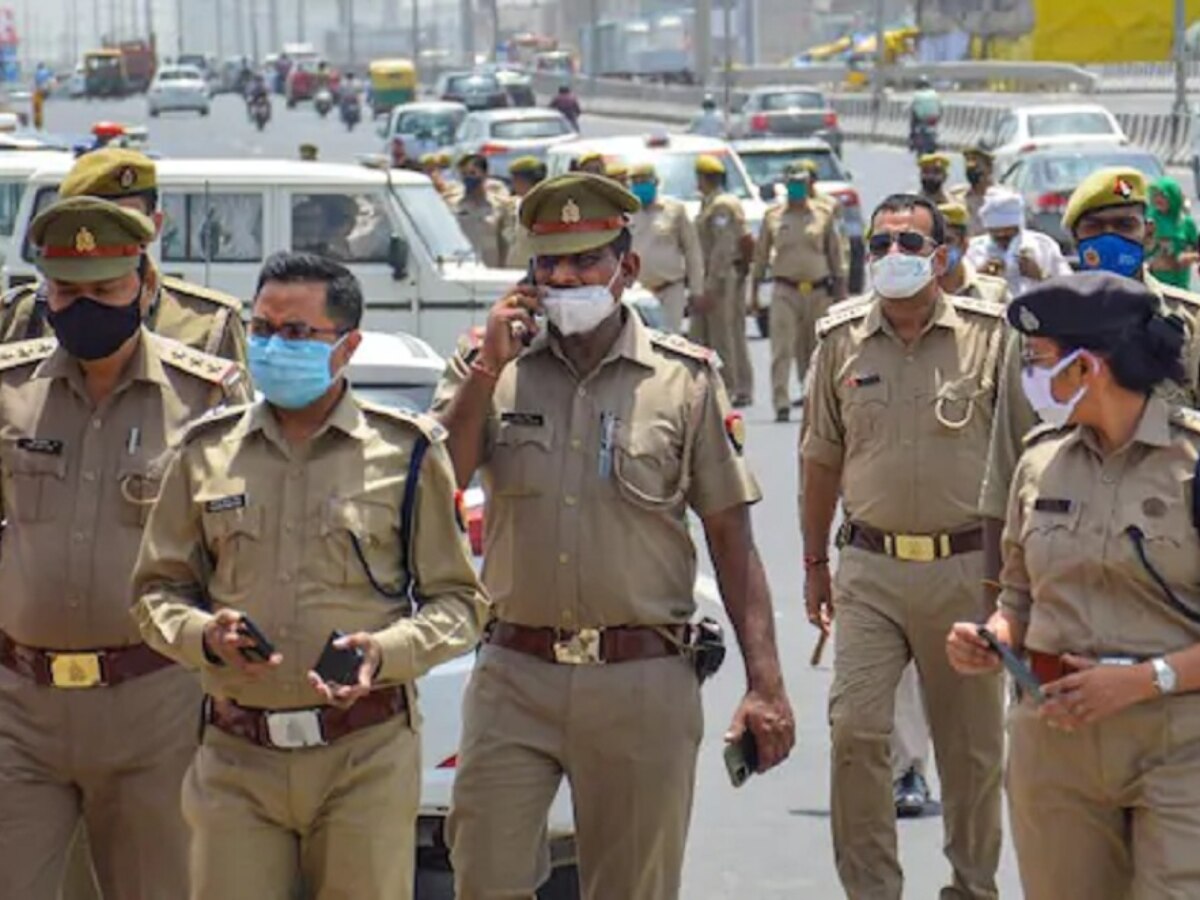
[[898, 414]]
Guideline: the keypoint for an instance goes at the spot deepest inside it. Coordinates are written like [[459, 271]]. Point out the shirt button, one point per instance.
[[96, 423], [582, 392], [288, 526], [89, 476], [289, 688], [569, 500], [286, 577], [563, 558], [567, 617], [78, 537], [1107, 479], [576, 443]]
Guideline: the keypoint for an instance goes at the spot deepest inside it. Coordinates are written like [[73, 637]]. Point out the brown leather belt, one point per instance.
[[913, 547], [590, 646], [1049, 667], [806, 287], [296, 729], [70, 669]]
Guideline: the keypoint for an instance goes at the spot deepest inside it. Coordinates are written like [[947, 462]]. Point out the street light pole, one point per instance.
[[1180, 117], [178, 28], [301, 20], [727, 34], [416, 37], [350, 31], [877, 81]]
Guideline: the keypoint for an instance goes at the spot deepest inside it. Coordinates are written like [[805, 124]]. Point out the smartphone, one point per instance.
[[741, 759], [262, 649], [1021, 673], [337, 665]]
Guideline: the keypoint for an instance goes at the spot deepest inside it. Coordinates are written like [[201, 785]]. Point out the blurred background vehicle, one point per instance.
[[475, 90], [1028, 128], [178, 89], [425, 127], [504, 134], [787, 112]]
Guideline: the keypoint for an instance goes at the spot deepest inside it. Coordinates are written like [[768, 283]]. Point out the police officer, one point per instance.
[[526, 173], [980, 165], [718, 316], [305, 513], [665, 241], [197, 316], [591, 162], [93, 722], [309, 152], [435, 165], [593, 441], [618, 171], [961, 276], [933, 169], [1100, 590], [801, 244], [896, 425], [481, 213]]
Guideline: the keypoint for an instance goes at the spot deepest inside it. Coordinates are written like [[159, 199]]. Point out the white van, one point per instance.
[[16, 166], [224, 217]]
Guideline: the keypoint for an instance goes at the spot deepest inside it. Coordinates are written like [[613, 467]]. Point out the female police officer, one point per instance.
[[1101, 586]]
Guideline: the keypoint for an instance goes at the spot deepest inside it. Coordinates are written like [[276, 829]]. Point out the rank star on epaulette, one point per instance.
[[735, 430]]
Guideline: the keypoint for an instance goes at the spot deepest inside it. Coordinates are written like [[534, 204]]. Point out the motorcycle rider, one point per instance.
[[925, 110], [349, 100], [566, 103], [709, 123]]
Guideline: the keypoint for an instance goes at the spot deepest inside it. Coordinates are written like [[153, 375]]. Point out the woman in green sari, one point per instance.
[[1175, 235]]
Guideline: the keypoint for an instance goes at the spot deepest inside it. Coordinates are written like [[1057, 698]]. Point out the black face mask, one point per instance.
[[932, 185], [90, 330], [975, 175]]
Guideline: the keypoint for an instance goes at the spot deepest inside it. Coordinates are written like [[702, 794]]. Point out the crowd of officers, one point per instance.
[[252, 539]]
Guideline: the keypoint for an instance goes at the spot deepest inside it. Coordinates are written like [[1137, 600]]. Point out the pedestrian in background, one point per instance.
[[1175, 251]]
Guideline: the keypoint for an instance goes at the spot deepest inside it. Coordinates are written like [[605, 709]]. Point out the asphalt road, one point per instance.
[[769, 839]]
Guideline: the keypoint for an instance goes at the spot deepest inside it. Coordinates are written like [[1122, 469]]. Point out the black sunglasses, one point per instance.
[[909, 241]]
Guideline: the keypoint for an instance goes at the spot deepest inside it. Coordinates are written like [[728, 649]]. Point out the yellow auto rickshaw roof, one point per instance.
[[391, 66]]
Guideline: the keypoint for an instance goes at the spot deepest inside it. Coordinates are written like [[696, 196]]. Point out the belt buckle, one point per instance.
[[581, 649], [804, 287], [76, 670], [295, 729], [913, 547]]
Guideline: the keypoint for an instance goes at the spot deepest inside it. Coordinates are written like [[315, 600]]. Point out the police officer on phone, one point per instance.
[[94, 724], [279, 523], [593, 440]]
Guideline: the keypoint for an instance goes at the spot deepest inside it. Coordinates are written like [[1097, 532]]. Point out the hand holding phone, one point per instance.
[[1020, 672], [261, 650], [338, 665], [741, 758]]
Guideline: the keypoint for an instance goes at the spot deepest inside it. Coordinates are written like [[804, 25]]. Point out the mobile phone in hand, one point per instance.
[[262, 648], [337, 665], [1016, 666], [741, 758]]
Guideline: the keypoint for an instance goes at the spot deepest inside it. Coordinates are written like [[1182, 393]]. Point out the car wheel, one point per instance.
[[563, 884], [763, 318]]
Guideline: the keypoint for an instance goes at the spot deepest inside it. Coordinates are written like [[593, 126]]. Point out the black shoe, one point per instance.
[[911, 795], [741, 402], [781, 415]]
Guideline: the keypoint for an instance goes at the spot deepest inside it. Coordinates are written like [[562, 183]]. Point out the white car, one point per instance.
[[503, 135], [1027, 128], [77, 83], [178, 88]]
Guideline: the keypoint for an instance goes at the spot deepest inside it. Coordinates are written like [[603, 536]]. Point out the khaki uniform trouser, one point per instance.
[[723, 329], [626, 738], [113, 756], [910, 739], [888, 612], [673, 298], [1111, 811], [340, 820], [793, 336]]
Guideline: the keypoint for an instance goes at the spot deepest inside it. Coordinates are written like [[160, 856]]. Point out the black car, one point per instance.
[[473, 90]]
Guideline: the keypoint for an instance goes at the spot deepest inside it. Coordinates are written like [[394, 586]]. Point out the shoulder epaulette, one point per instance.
[[983, 307], [1044, 430], [677, 343], [214, 369], [1187, 418], [13, 296], [844, 311], [198, 292], [434, 430], [1169, 291], [22, 353], [215, 416]]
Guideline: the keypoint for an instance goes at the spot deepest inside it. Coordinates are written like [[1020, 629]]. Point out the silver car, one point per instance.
[[502, 135], [425, 127], [177, 88]]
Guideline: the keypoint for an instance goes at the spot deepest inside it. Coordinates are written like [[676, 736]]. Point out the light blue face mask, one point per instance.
[[646, 191], [290, 374], [798, 190]]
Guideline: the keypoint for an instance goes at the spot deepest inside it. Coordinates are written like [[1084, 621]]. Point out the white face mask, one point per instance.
[[578, 310], [1035, 382], [898, 276]]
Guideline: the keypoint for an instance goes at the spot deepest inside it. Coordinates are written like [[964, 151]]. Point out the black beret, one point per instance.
[[1083, 305]]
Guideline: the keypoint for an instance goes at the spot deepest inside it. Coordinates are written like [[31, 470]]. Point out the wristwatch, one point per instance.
[[1165, 678]]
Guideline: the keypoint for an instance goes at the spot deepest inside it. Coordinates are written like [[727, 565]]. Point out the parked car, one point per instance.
[[765, 161], [1028, 128], [787, 112], [502, 135], [426, 127], [473, 90], [1047, 178], [77, 83], [178, 88]]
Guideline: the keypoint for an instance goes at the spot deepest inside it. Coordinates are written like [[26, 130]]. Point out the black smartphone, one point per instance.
[[1021, 673], [741, 758], [338, 666], [262, 648]]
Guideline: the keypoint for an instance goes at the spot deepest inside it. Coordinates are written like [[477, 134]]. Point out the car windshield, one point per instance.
[[677, 175], [410, 397], [1066, 172], [428, 125], [793, 100], [472, 83], [439, 231], [550, 126], [179, 75], [1060, 124], [768, 168]]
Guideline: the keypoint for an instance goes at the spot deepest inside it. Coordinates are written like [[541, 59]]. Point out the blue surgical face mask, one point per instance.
[[645, 191], [290, 374], [953, 258], [471, 182], [797, 191], [1112, 253]]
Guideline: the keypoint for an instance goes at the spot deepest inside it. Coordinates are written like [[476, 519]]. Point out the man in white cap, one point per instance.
[[1009, 250]]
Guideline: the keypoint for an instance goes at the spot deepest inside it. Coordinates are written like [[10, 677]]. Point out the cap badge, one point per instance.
[[126, 177], [570, 212], [85, 241], [1091, 258], [1029, 321], [1123, 189]]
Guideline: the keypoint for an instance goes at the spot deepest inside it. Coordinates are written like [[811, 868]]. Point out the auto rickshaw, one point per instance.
[[393, 81], [104, 73]]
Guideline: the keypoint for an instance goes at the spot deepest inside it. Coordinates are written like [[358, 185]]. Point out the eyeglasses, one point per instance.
[[909, 242], [291, 331]]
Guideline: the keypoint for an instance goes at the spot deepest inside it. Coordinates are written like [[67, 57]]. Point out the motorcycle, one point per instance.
[[323, 102], [351, 108], [260, 111]]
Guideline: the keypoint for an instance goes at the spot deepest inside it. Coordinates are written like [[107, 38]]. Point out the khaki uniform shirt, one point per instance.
[[254, 523], [984, 287], [907, 426], [484, 224], [1070, 570], [1015, 418], [800, 244], [667, 244], [79, 481], [197, 316], [516, 237], [936, 199], [588, 481], [721, 225], [962, 193]]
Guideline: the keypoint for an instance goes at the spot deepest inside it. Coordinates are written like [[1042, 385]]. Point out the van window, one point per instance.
[[10, 198], [44, 197], [345, 227], [434, 224], [219, 227]]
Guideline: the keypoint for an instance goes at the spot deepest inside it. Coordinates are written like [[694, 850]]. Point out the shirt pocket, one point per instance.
[[1047, 538], [520, 463], [1168, 539], [234, 538], [353, 526], [648, 465], [139, 481], [33, 483], [863, 410], [958, 404]]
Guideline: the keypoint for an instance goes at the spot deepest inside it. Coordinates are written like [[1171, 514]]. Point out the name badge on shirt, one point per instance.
[[48, 446], [1053, 505], [523, 419], [224, 504], [863, 380]]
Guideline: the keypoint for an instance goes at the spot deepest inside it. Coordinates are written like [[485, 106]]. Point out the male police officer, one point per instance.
[[306, 513], [962, 278], [197, 316], [593, 442], [980, 164], [665, 241], [526, 172], [93, 722], [934, 168], [482, 214]]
